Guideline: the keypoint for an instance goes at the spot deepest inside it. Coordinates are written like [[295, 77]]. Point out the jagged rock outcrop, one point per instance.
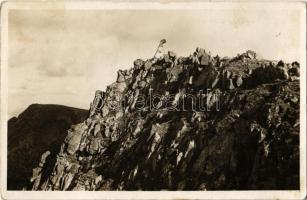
[[187, 123]]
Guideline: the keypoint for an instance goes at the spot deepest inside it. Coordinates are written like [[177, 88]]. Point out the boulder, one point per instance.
[[280, 64], [97, 129], [36, 177], [284, 74], [147, 65], [207, 78], [295, 64], [138, 63], [97, 103], [142, 84], [121, 76], [295, 69], [94, 146], [194, 59], [227, 74], [175, 72], [74, 138], [172, 55], [251, 54], [199, 52], [238, 80], [205, 59], [43, 158], [166, 58]]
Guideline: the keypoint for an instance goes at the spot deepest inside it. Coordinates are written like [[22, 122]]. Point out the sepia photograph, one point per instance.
[[153, 100]]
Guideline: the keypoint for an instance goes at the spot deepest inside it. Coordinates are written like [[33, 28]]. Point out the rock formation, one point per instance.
[[149, 132], [40, 128]]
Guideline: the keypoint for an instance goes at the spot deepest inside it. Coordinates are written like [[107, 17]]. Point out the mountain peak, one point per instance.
[[199, 122]]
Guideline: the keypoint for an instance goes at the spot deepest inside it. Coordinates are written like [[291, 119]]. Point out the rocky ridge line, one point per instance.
[[250, 142]]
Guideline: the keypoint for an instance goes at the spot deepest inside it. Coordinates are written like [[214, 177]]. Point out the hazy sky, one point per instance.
[[63, 56]]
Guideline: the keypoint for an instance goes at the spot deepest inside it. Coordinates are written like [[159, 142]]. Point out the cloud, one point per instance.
[[63, 56], [59, 72]]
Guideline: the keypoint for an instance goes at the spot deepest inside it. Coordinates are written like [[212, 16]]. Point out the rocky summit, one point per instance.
[[200, 122]]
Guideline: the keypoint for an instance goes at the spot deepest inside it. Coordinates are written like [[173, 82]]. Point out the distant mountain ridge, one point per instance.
[[39, 128]]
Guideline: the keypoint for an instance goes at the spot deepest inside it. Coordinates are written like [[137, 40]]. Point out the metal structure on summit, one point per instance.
[[160, 47]]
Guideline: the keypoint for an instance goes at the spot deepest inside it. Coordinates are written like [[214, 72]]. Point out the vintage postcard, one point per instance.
[[153, 100]]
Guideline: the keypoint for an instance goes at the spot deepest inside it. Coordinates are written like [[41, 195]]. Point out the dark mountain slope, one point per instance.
[[38, 129]]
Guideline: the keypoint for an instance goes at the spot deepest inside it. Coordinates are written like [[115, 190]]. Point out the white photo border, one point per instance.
[[162, 5]]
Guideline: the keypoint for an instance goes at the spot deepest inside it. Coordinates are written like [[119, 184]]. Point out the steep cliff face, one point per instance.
[[37, 129], [186, 123]]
